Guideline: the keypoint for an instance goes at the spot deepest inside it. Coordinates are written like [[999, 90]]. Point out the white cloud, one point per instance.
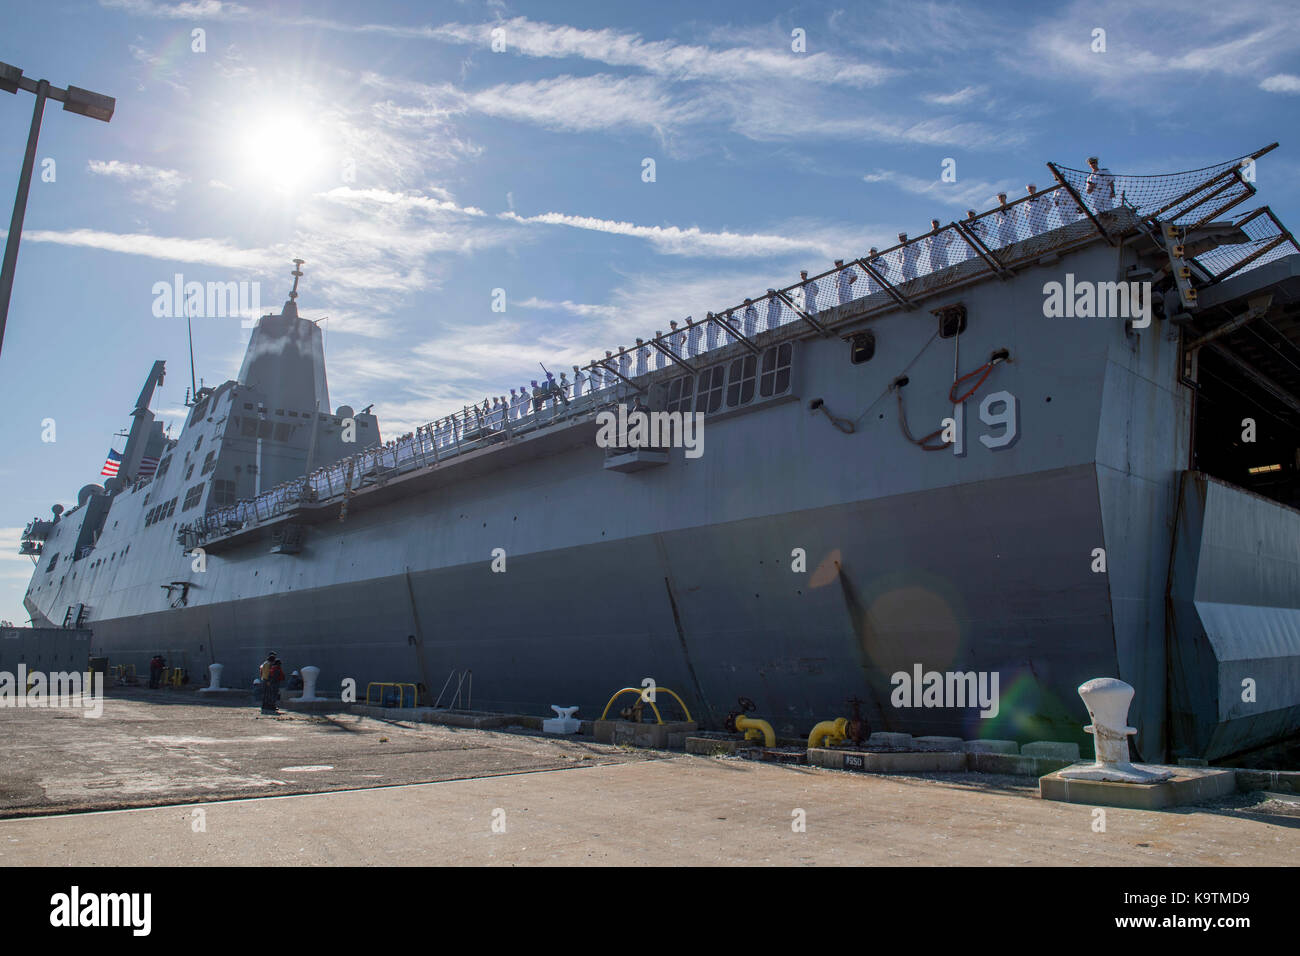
[[694, 241], [359, 198], [963, 194], [1281, 83], [573, 308], [668, 58], [155, 186], [960, 97], [213, 252], [191, 10]]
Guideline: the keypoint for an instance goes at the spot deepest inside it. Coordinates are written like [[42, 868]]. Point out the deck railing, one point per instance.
[[994, 242]]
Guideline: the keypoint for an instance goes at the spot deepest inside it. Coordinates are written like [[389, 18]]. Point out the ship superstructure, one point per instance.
[[925, 466]]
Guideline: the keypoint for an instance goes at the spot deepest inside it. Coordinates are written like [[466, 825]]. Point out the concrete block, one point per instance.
[[1188, 785], [887, 762], [828, 758], [715, 746], [1278, 781], [991, 747], [677, 741], [1019, 765], [639, 735], [1193, 762], [887, 741], [944, 744], [1056, 749]]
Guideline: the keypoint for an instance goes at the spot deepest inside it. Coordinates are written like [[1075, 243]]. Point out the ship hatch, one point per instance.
[[1242, 358]]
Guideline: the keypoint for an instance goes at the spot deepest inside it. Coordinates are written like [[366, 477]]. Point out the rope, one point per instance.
[[986, 368], [843, 424], [922, 443]]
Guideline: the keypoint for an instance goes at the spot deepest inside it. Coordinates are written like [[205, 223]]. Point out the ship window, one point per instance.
[[264, 429], [679, 394], [200, 410], [741, 389], [162, 468], [776, 371], [248, 428], [952, 320], [189, 471], [862, 347], [252, 469], [279, 411], [282, 431], [209, 462], [708, 393], [192, 496], [223, 493], [198, 442], [292, 413], [53, 561], [248, 405]]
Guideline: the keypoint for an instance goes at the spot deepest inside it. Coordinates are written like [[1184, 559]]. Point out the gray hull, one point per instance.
[[715, 613]]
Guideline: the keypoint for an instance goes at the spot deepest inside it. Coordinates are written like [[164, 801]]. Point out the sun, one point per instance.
[[281, 151]]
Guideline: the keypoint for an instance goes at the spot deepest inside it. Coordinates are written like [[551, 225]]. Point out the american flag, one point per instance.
[[147, 467], [113, 463]]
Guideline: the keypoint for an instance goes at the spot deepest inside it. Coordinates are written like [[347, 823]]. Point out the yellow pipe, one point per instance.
[[831, 731], [637, 691], [753, 727]]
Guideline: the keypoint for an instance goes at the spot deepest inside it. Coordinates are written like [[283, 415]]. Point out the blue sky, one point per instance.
[[416, 170]]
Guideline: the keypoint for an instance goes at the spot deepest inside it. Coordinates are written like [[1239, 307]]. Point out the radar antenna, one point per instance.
[[297, 274]]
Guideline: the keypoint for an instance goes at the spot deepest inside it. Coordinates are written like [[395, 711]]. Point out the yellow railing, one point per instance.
[[638, 691], [401, 692]]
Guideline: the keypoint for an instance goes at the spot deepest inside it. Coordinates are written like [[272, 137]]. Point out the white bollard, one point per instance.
[[562, 722], [214, 670], [309, 675], [1108, 700]]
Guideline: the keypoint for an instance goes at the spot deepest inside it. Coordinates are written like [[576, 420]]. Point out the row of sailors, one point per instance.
[[1001, 228]]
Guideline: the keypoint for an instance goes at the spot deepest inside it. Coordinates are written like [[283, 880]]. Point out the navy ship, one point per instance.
[[1051, 441]]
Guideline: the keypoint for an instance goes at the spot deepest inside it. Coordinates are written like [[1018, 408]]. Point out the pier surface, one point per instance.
[[181, 783]]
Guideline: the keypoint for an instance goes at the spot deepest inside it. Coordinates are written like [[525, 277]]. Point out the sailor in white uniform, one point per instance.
[[642, 357], [938, 246], [710, 333], [692, 337], [1037, 209], [908, 255], [676, 339], [610, 378], [578, 381], [844, 280], [1004, 224], [869, 286], [751, 319], [773, 310], [1066, 208], [624, 362], [809, 293], [877, 262], [1101, 186]]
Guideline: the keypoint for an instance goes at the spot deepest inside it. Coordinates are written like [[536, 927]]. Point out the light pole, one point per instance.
[[74, 100]]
